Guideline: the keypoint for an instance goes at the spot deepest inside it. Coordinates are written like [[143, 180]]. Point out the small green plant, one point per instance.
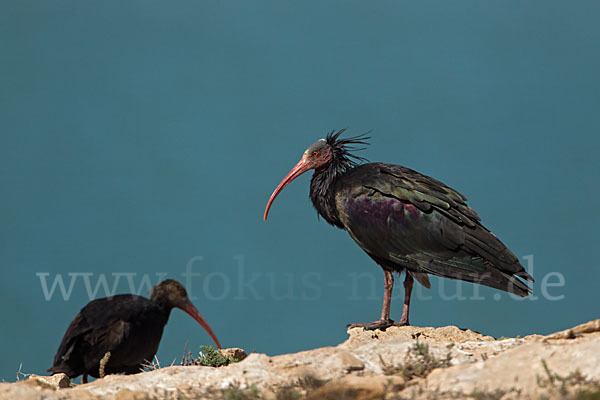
[[588, 394], [235, 393], [288, 393], [418, 362], [574, 377], [300, 388], [567, 383], [421, 349], [211, 357]]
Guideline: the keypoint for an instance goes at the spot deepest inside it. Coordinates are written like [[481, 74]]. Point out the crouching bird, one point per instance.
[[121, 333], [405, 221]]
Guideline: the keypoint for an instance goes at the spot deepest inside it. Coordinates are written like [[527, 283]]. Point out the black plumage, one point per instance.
[[405, 221], [128, 326]]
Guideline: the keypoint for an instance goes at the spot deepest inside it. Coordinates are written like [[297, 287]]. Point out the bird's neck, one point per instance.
[[322, 193], [163, 305]]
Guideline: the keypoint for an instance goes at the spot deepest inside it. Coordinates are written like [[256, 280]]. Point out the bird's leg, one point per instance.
[[84, 379], [388, 287], [408, 285], [385, 321]]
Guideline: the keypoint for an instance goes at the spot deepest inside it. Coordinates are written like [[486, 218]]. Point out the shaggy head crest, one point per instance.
[[343, 148]]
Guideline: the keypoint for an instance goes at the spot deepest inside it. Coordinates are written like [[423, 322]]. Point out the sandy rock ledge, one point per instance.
[[400, 363]]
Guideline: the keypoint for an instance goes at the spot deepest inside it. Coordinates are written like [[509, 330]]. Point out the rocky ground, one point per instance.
[[400, 363]]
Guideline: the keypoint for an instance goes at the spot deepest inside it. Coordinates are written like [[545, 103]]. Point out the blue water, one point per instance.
[[140, 138]]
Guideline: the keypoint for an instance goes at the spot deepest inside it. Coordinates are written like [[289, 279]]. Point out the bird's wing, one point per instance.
[[401, 216], [424, 192], [111, 321], [100, 326], [62, 360]]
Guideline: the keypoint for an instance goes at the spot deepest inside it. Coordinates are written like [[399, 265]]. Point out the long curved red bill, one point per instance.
[[193, 312], [298, 170]]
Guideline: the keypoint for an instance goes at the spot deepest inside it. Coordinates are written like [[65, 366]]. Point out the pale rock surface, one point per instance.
[[368, 365], [56, 381], [235, 353]]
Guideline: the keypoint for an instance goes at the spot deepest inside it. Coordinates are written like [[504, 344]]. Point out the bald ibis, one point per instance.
[[405, 221], [124, 329]]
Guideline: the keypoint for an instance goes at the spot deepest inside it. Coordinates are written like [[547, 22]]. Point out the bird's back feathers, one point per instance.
[[404, 219]]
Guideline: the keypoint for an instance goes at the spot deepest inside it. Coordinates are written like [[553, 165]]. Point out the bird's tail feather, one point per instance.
[[63, 368], [474, 270], [485, 244], [420, 277]]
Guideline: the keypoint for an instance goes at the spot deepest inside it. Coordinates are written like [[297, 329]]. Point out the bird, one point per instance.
[[121, 333], [405, 221]]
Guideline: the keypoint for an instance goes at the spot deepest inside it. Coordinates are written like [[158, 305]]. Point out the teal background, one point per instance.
[[135, 135]]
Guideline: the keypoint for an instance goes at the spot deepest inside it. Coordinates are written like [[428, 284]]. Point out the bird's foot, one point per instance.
[[403, 322], [382, 324]]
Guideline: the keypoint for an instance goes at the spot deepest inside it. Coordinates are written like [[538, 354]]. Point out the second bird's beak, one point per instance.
[[300, 168], [194, 313]]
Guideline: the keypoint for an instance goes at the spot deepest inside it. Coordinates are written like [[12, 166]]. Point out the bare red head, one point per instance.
[[317, 156], [329, 152]]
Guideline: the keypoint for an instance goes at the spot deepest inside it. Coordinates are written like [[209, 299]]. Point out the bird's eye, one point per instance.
[[316, 153]]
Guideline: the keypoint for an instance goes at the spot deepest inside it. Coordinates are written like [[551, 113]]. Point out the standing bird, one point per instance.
[[122, 332], [404, 221]]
